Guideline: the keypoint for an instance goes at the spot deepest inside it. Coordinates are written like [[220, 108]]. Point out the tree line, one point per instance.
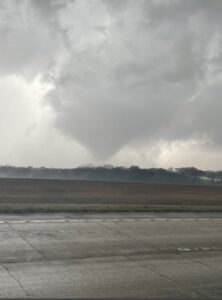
[[189, 175]]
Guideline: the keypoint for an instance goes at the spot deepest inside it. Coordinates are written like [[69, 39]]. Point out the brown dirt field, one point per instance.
[[69, 192]]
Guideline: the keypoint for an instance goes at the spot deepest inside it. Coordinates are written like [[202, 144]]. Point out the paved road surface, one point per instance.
[[113, 255]]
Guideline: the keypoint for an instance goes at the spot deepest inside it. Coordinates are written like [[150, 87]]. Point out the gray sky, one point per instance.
[[111, 81]]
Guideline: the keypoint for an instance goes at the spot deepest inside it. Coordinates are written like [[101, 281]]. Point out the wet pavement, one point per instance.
[[111, 255]]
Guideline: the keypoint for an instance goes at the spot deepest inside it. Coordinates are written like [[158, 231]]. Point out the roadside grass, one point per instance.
[[75, 208]]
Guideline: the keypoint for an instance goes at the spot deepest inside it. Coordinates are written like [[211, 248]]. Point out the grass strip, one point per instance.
[[62, 208]]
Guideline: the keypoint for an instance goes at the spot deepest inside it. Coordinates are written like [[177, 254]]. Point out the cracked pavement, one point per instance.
[[117, 255]]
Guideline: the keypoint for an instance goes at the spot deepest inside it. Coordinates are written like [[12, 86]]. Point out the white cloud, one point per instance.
[[26, 128]]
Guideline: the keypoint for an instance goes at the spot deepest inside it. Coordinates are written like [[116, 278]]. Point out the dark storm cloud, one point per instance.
[[122, 70]]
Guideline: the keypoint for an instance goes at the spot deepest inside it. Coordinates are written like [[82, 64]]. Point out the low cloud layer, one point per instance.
[[122, 75]]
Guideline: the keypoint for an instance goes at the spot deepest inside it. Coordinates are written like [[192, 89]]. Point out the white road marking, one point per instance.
[[38, 221], [16, 221], [199, 249], [59, 221], [205, 248], [184, 249], [75, 220], [106, 220]]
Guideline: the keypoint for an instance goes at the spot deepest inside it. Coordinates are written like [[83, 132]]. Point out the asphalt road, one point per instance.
[[112, 255]]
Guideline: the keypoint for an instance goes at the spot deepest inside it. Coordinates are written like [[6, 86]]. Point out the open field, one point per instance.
[[21, 195]]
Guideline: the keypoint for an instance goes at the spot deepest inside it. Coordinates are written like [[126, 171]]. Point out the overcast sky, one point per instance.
[[111, 81]]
